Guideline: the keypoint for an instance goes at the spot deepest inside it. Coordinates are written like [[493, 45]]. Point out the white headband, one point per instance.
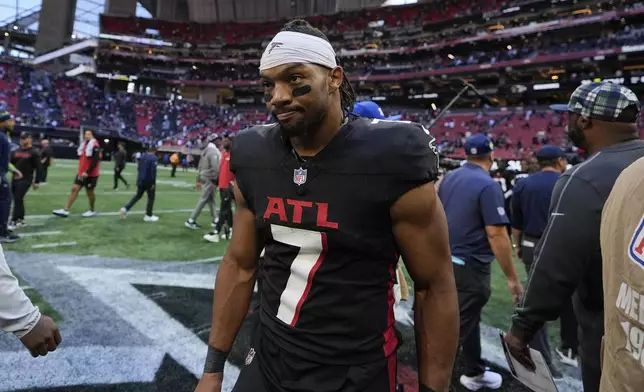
[[291, 47]]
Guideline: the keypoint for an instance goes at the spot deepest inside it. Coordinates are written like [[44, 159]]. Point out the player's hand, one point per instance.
[[516, 290], [520, 351], [36, 186], [44, 337], [519, 253], [17, 174], [210, 382], [84, 175]]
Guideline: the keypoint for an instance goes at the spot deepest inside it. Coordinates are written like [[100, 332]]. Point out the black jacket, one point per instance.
[[568, 257]]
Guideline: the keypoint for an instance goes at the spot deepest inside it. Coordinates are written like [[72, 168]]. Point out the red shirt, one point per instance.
[[86, 152], [225, 175]]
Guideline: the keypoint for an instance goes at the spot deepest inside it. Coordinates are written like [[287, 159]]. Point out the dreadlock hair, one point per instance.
[[347, 94]]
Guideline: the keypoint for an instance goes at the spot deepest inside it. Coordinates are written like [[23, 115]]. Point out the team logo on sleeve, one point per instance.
[[250, 356], [299, 176], [636, 248]]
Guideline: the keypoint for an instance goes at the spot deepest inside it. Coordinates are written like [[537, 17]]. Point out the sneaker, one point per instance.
[[212, 237], [192, 225], [123, 212], [20, 223], [150, 218], [9, 238], [567, 357], [488, 379], [213, 224], [12, 226], [63, 213], [89, 214], [115, 190]]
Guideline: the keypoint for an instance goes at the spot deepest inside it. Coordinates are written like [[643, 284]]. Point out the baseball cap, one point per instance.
[[603, 101], [370, 109], [25, 135], [478, 144], [550, 151], [4, 116]]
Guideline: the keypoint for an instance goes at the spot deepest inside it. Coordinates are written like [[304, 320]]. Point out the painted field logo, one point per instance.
[[636, 248]]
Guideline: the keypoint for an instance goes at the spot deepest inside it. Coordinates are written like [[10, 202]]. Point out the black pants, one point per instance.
[[473, 285], [269, 369], [117, 176], [143, 188], [540, 340], [568, 328], [19, 190], [5, 206], [174, 170], [43, 173], [225, 209]]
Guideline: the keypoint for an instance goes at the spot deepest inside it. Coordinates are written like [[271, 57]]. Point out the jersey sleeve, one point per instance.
[[492, 206], [415, 159]]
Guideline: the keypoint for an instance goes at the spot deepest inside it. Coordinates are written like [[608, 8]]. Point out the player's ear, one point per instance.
[[336, 76]]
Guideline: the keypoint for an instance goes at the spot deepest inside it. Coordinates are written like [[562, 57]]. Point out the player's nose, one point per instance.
[[282, 96]]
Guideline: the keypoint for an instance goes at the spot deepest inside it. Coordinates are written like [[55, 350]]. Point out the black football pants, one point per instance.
[[269, 369], [225, 209], [5, 206], [118, 176], [473, 286], [19, 189]]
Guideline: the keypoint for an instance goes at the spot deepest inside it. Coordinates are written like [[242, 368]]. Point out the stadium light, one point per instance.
[[509, 47], [450, 56], [433, 106]]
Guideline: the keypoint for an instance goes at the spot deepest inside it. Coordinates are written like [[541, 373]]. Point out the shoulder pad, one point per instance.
[[249, 143], [411, 148]]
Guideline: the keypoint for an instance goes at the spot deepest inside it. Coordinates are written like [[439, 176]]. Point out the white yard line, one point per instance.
[[124, 192], [113, 213], [53, 245], [37, 233]]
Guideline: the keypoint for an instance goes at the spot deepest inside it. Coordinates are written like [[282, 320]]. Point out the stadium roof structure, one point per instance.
[[24, 15]]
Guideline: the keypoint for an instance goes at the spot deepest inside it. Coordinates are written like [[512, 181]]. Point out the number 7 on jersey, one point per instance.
[[310, 255]]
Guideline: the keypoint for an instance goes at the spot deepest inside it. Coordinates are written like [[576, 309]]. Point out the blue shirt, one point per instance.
[[472, 200], [5, 156], [531, 202], [147, 169]]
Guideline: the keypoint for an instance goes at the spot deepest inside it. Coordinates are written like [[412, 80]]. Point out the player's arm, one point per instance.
[[35, 159], [233, 287], [420, 229], [96, 157], [492, 204]]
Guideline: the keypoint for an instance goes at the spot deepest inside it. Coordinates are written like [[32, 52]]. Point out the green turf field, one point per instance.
[[108, 235], [168, 239]]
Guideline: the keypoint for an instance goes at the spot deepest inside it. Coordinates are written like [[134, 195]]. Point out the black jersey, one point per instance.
[[27, 160], [330, 253]]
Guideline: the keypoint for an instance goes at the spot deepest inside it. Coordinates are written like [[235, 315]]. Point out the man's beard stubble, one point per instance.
[[308, 124]]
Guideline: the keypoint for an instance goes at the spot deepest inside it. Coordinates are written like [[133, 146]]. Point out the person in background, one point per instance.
[[146, 183], [477, 222], [530, 203], [119, 157], [207, 180], [7, 124], [27, 160], [18, 315], [602, 119], [225, 182], [89, 153], [622, 244], [174, 162], [370, 109], [46, 160]]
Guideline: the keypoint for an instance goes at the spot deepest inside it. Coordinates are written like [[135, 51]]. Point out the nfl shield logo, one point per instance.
[[299, 176], [636, 248], [250, 356]]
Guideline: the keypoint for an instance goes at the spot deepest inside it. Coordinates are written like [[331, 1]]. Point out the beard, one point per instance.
[[304, 124], [576, 136]]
